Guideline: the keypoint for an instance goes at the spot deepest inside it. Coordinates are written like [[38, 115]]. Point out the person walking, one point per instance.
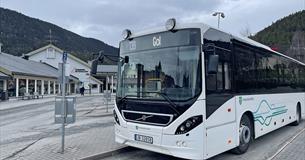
[[82, 90]]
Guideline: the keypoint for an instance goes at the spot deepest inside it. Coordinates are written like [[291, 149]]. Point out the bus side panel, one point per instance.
[[221, 129], [221, 139], [270, 111]]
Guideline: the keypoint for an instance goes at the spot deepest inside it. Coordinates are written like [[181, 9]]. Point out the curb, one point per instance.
[[47, 100], [107, 154], [103, 115]]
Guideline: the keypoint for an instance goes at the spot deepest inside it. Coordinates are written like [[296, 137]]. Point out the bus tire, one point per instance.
[[245, 135], [298, 116]]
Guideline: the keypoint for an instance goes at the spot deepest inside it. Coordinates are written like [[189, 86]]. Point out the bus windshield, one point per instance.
[[173, 71]]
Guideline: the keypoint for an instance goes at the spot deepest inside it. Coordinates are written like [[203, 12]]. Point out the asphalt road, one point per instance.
[[261, 149], [23, 126]]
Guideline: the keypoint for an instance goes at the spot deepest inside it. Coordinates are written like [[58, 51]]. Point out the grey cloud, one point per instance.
[[105, 19]]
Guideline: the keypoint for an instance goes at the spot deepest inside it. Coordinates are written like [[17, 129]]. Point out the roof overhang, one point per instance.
[[4, 76], [32, 75], [5, 71], [59, 50]]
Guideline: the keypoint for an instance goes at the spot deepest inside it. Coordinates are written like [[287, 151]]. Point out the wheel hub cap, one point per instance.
[[244, 134]]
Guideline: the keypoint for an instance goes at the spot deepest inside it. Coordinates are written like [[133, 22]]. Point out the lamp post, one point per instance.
[[219, 14]]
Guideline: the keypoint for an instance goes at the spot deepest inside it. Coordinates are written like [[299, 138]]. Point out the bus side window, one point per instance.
[[220, 81]]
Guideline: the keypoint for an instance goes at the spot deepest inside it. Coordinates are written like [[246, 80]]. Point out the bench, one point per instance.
[[36, 95], [27, 96]]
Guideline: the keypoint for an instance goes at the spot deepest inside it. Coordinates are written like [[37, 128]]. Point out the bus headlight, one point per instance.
[[170, 24], [116, 118], [189, 124]]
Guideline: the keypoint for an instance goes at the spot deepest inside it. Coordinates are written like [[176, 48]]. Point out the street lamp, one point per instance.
[[219, 14]]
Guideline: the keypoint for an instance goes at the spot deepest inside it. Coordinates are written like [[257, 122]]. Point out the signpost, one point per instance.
[[64, 106], [107, 96]]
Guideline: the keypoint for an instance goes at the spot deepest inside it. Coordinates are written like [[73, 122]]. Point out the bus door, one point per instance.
[[220, 103]]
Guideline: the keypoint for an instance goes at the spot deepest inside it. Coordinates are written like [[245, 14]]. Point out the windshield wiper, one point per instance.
[[173, 106], [124, 98]]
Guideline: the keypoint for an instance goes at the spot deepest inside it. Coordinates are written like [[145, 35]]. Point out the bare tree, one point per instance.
[[246, 31]]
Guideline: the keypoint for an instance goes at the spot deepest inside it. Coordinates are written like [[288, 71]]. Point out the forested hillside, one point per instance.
[[21, 34], [286, 35]]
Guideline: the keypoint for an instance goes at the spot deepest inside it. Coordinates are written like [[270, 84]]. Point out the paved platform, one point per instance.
[[30, 133], [295, 150], [78, 146]]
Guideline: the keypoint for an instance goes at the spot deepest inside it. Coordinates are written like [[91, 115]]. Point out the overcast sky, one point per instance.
[[105, 19]]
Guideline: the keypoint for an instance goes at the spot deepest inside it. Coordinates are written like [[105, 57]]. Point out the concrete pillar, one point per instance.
[[98, 88], [69, 88], [112, 84], [26, 85], [54, 87], [4, 85], [49, 87], [35, 85], [17, 87], [107, 80], [42, 87]]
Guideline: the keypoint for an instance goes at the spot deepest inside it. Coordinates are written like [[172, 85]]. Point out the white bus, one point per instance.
[[193, 91]]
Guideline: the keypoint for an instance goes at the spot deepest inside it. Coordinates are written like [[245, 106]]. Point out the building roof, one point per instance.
[[96, 80], [107, 68], [4, 76], [59, 50], [19, 66]]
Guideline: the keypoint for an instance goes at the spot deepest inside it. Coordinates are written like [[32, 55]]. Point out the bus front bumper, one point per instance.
[[181, 146]]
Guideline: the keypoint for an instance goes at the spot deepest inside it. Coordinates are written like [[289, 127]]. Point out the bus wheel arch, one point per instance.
[[246, 133], [298, 115]]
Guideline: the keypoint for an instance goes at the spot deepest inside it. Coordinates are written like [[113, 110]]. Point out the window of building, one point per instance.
[[51, 87], [51, 53], [22, 87], [57, 88], [80, 70], [94, 86], [11, 87], [1, 86], [31, 86], [46, 87]]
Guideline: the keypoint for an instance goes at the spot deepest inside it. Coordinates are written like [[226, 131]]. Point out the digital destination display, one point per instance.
[[183, 37]]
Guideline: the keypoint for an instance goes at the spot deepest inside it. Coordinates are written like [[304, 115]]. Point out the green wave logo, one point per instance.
[[265, 112]]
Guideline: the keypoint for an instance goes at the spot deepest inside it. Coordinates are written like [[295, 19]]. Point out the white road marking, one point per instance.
[[286, 144]]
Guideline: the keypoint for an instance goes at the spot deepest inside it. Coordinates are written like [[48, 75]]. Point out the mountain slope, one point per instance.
[[287, 35], [21, 34]]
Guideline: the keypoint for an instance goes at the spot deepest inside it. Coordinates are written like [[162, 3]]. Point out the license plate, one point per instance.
[[142, 138]]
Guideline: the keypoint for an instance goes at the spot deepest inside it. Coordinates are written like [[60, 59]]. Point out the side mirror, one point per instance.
[[213, 64], [94, 66]]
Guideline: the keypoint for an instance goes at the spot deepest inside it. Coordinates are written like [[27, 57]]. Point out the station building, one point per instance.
[[52, 55], [19, 76], [108, 75]]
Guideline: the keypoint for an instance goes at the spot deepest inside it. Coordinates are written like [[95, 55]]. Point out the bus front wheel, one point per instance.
[[245, 135]]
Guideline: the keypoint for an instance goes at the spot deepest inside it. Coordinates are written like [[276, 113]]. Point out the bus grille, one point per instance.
[[147, 117]]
